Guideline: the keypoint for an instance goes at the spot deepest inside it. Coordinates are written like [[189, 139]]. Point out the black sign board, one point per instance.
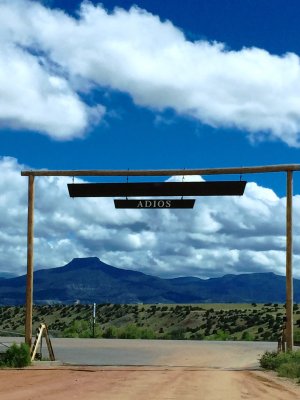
[[160, 189], [155, 203]]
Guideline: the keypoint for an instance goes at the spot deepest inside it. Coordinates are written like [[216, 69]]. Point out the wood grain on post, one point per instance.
[[289, 261], [30, 253]]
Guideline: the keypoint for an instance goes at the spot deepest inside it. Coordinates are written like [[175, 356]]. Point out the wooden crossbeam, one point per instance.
[[166, 172]]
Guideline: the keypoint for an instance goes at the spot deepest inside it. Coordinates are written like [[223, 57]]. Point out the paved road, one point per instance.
[[159, 352], [112, 352]]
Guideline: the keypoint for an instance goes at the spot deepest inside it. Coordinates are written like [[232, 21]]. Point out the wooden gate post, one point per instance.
[[30, 252], [289, 260]]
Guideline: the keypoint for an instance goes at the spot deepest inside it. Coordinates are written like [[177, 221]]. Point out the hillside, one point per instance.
[[157, 321], [88, 280]]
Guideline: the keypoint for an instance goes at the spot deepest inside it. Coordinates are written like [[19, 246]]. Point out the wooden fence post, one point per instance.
[[289, 261], [30, 253]]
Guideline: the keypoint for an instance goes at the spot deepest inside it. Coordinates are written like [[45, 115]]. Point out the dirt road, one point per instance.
[[178, 370], [142, 383]]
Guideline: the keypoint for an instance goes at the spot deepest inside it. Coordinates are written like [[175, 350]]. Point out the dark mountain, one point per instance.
[[244, 288], [5, 275], [90, 280]]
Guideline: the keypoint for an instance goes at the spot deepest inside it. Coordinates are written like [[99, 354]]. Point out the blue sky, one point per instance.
[[150, 85]]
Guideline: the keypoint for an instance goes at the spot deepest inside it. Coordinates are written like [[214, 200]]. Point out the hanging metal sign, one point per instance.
[[160, 189], [155, 203]]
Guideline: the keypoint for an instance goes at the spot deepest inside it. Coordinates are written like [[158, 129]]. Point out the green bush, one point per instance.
[[110, 332], [289, 370], [130, 331], [81, 329], [17, 356], [268, 360], [286, 364], [147, 334], [197, 336], [220, 335], [176, 334], [247, 336], [297, 335]]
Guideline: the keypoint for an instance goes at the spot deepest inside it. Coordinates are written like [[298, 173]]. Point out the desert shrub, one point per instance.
[[297, 334], [289, 370], [197, 336], [81, 329], [147, 334], [207, 332], [247, 336], [268, 360], [177, 334], [220, 335], [110, 332], [17, 356], [286, 364], [130, 331]]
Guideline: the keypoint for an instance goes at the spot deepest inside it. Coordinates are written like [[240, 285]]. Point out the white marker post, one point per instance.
[[94, 319]]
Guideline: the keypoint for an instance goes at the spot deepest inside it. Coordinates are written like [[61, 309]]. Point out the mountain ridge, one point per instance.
[[89, 280]]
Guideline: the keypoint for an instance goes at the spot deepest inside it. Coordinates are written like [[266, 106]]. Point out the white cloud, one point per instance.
[[137, 53], [219, 236], [33, 95], [34, 99]]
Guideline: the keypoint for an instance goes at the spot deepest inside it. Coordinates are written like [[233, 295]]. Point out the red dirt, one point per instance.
[[147, 383], [179, 370]]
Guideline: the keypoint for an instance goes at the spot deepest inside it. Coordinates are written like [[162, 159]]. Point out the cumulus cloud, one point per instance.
[[137, 53], [33, 94], [219, 236], [34, 99]]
